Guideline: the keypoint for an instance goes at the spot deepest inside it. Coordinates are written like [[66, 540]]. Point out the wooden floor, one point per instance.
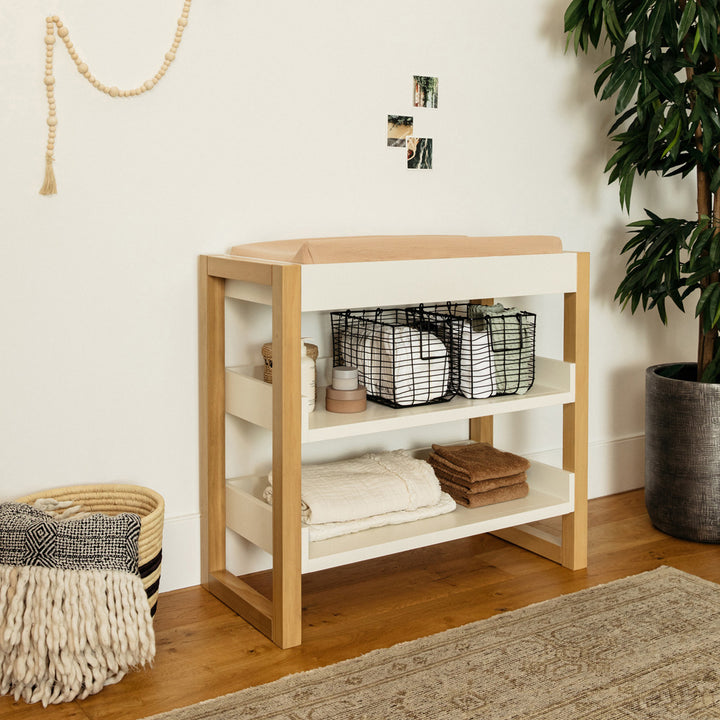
[[204, 650]]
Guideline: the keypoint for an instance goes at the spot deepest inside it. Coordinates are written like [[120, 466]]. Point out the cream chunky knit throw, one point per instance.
[[74, 615]]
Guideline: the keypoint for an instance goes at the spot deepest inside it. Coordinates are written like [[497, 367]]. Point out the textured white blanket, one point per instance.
[[324, 531], [369, 485]]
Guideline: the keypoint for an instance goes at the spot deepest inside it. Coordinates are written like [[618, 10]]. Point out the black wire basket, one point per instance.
[[402, 358], [494, 347]]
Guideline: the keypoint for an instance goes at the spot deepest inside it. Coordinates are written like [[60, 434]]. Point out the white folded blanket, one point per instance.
[[476, 363], [372, 484], [324, 531], [400, 364]]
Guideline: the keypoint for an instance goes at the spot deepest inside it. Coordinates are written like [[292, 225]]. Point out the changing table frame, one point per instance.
[[292, 289]]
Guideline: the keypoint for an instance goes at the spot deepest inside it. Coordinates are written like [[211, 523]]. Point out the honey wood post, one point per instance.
[[211, 334], [575, 416], [287, 431], [482, 428], [233, 591]]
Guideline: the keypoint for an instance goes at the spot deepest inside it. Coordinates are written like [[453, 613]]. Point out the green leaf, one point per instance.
[[686, 21], [612, 23], [628, 90], [656, 19], [705, 85], [575, 14], [675, 139], [715, 180], [712, 371], [696, 42], [705, 298], [617, 79], [605, 71]]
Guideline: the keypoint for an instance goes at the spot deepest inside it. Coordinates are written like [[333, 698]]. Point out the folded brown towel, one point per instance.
[[510, 492], [480, 461], [448, 471], [484, 485]]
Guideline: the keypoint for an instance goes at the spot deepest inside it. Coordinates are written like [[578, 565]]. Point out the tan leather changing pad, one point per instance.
[[377, 248]]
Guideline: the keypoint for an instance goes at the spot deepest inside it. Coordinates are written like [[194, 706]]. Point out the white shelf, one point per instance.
[[551, 494], [248, 397]]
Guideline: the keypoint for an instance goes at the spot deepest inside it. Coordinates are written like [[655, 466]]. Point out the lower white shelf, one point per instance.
[[551, 494]]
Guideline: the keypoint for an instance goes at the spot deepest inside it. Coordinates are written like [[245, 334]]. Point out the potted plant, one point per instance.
[[662, 73]]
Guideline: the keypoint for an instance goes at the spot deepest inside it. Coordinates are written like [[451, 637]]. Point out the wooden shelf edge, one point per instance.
[[242, 599], [529, 539]]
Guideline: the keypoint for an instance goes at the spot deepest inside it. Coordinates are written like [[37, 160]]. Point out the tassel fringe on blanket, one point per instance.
[[66, 634], [74, 615]]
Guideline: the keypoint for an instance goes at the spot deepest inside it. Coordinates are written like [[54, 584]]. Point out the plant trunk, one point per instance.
[[705, 207], [706, 340]]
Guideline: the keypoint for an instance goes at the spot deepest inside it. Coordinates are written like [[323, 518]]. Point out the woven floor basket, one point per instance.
[[116, 499]]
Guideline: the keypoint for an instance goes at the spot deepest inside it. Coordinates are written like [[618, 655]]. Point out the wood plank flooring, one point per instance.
[[205, 650]]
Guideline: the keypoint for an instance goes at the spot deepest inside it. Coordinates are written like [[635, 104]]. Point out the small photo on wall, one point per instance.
[[425, 91], [419, 153], [399, 128]]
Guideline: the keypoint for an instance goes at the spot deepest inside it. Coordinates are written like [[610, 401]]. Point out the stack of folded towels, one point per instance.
[[477, 474]]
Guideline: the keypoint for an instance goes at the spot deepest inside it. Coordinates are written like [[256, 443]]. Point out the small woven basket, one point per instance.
[[116, 499], [312, 351]]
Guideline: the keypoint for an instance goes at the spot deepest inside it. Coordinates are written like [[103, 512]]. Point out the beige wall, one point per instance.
[[271, 124]]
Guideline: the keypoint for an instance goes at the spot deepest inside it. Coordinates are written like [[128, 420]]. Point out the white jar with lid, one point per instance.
[[344, 377]]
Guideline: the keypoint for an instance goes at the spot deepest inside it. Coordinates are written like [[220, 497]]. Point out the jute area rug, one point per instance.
[[647, 646]]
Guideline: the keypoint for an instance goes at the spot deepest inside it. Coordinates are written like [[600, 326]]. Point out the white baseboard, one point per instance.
[[614, 467], [181, 553]]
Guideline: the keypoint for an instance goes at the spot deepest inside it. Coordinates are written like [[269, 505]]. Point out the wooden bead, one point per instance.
[[52, 121], [148, 84], [49, 80], [113, 91], [49, 39], [82, 68], [169, 56], [55, 19], [182, 21], [62, 31]]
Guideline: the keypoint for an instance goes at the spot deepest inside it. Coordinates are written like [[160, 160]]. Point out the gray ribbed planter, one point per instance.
[[682, 455]]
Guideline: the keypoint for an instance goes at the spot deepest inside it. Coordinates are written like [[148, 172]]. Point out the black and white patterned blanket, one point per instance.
[[31, 537]]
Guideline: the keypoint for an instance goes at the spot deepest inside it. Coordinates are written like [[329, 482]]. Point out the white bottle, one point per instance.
[[307, 378]]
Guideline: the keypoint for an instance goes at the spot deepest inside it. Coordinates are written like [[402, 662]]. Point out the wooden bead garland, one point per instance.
[[52, 23]]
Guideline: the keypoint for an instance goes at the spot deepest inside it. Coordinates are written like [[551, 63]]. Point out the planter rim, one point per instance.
[[653, 371]]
